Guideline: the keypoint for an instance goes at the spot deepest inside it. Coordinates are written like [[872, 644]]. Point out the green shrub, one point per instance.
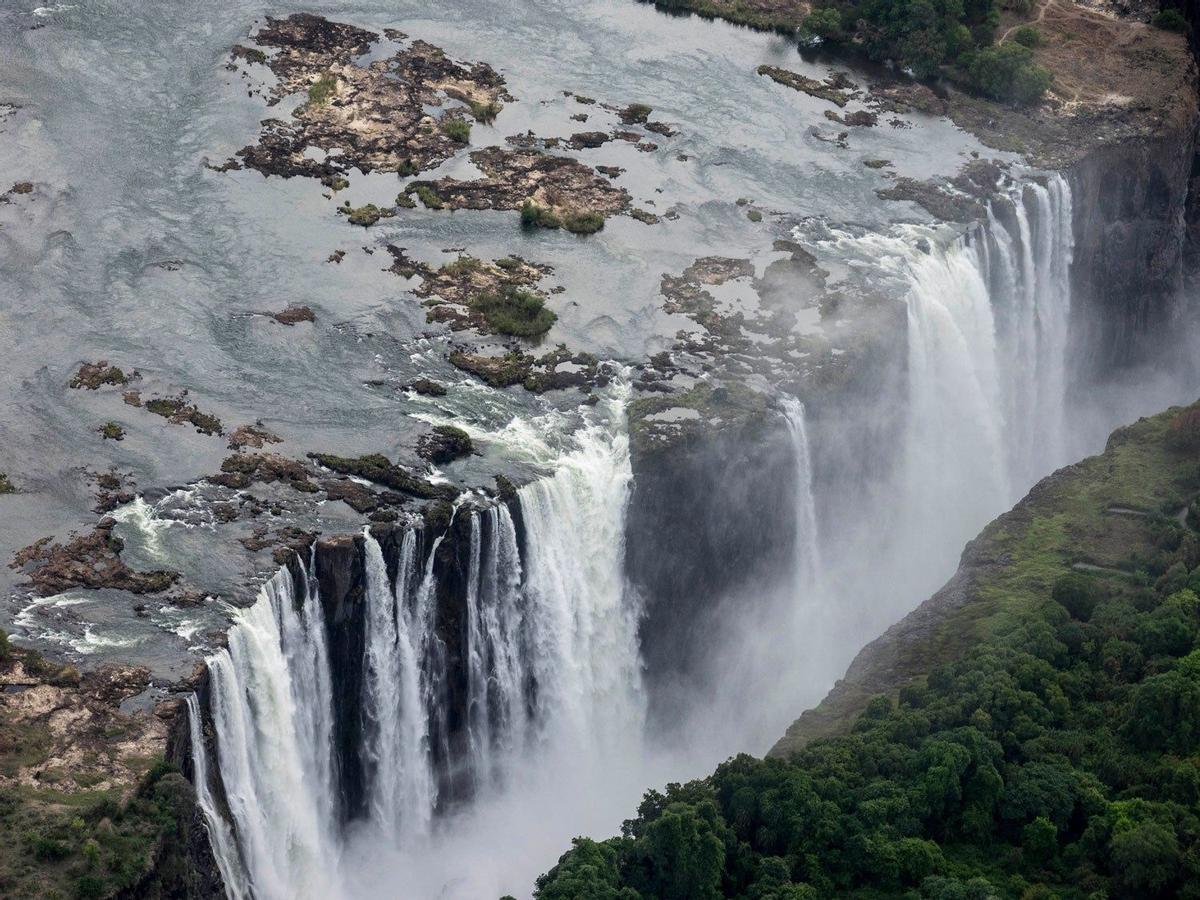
[[322, 89], [1170, 20], [534, 215], [91, 887], [427, 195], [1006, 73], [366, 216], [583, 222], [48, 849], [824, 23], [458, 130], [464, 265], [484, 112], [515, 311], [1028, 36], [1077, 594]]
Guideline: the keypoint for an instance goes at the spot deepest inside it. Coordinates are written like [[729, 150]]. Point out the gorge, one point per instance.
[[432, 532]]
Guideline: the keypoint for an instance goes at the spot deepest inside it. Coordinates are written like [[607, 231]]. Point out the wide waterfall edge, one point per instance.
[[216, 831]]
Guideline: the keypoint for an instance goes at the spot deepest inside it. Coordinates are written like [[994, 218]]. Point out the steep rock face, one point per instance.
[[705, 520], [1131, 204], [341, 578]]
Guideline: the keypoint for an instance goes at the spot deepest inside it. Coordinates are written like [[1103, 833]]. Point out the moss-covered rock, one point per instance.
[[664, 421], [92, 376], [445, 443], [378, 468]]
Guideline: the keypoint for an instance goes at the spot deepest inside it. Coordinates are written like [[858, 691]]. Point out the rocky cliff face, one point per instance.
[[1135, 221]]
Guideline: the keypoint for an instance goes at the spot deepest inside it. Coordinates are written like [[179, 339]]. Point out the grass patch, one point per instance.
[[534, 215], [6, 485], [322, 89], [458, 130], [484, 112], [464, 265], [111, 431], [427, 195], [583, 222]]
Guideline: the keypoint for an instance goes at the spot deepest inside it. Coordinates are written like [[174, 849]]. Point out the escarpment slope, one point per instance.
[[1108, 518]]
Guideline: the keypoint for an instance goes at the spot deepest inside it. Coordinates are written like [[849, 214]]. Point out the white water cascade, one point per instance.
[[807, 552], [988, 355], [551, 668]]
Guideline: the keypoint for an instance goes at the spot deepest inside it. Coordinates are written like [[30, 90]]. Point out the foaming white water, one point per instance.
[[272, 709], [808, 552], [553, 698], [403, 786]]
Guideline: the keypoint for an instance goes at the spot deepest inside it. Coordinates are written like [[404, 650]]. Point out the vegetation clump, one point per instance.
[[1170, 20], [484, 112], [458, 130], [322, 89], [582, 222], [1028, 36], [178, 411], [1006, 72], [366, 216], [111, 431], [6, 485], [92, 376], [952, 38], [534, 215], [426, 194], [515, 311]]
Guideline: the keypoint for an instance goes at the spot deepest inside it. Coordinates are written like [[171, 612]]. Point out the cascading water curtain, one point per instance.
[[551, 661], [988, 323], [808, 553]]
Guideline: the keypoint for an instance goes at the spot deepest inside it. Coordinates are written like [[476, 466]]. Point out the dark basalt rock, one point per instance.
[[91, 560], [444, 444], [241, 470], [294, 314], [378, 468], [562, 185], [374, 114], [427, 388]]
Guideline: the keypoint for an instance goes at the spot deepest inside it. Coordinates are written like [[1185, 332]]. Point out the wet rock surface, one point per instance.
[[372, 117], [91, 560], [562, 185]]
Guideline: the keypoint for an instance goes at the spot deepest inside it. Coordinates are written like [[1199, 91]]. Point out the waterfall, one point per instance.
[[536, 659], [498, 681], [271, 708], [1031, 289], [582, 626], [220, 835], [400, 767], [807, 553]]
